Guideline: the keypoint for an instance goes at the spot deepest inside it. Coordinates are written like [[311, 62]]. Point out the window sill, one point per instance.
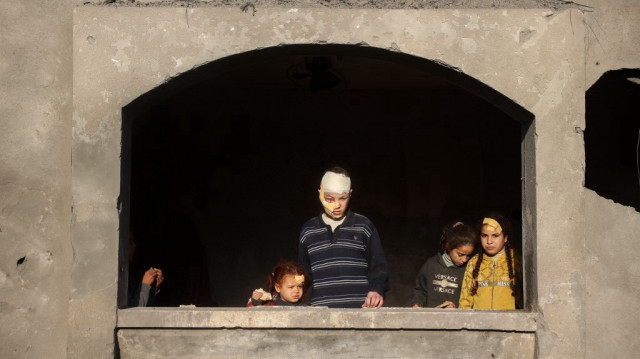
[[325, 318]]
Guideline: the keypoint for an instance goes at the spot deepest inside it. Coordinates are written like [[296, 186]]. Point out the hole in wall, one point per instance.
[[225, 163], [612, 137], [21, 260]]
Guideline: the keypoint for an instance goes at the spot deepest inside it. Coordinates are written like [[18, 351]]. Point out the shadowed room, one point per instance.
[[221, 165]]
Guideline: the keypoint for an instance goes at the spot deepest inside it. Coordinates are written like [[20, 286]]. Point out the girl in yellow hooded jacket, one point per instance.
[[491, 278]]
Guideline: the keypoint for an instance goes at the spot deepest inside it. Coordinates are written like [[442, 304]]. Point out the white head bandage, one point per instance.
[[335, 183]]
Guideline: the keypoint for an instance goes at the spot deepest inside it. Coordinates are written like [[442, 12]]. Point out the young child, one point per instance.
[[492, 279], [341, 250], [286, 284], [439, 281]]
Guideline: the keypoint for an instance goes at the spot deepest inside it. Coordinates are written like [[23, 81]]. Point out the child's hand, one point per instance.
[[256, 295], [447, 304], [374, 300], [149, 276], [159, 277]]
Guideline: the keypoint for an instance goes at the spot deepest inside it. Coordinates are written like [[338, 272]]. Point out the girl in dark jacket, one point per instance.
[[439, 281]]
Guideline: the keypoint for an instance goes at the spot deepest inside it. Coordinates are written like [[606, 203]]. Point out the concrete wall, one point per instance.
[[611, 230], [58, 300], [313, 332], [35, 177], [233, 343], [133, 54]]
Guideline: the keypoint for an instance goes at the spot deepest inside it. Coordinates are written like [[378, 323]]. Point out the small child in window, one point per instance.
[[492, 279], [285, 284], [439, 281]]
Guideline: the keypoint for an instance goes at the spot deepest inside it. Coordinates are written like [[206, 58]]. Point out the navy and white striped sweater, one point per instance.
[[343, 265]]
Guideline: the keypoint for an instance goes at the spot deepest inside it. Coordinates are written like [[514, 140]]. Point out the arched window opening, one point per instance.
[[612, 137], [221, 164]]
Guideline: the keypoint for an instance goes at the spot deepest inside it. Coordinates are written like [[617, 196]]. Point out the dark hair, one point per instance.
[[506, 230], [339, 170], [457, 234], [282, 269]]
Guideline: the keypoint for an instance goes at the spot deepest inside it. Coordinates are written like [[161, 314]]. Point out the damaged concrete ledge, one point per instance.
[[325, 318]]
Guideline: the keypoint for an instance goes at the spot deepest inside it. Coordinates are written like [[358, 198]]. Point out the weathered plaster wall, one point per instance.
[[613, 277], [611, 230], [256, 5], [324, 333], [313, 343], [35, 177], [533, 57], [547, 56], [612, 38]]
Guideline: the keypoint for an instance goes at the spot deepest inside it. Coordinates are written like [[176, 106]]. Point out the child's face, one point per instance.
[[289, 290], [492, 241], [461, 255], [342, 199]]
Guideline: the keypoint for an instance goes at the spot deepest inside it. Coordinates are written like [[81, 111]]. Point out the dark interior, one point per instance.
[[612, 137], [221, 165]]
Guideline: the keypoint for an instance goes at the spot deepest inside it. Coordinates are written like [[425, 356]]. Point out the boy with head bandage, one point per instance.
[[335, 192], [341, 250]]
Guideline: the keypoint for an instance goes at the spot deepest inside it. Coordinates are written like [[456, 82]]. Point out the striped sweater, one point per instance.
[[343, 265]]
